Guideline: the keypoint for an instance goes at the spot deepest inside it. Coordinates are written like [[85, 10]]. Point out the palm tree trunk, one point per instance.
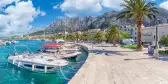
[[139, 24]]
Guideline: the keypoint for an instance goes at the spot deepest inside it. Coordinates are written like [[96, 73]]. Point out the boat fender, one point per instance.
[[19, 63], [14, 61]]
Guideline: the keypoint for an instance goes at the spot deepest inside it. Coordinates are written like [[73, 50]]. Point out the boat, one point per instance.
[[37, 62], [60, 41], [49, 60], [59, 51], [14, 42], [2, 43]]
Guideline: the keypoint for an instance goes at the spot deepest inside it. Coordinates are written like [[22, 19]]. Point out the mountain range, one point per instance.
[[94, 22]]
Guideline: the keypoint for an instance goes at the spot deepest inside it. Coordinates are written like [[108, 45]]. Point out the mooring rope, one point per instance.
[[63, 74]]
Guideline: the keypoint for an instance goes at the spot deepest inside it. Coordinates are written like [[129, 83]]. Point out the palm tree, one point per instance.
[[138, 9]]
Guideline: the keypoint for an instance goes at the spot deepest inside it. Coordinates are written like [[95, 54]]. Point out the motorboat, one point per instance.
[[37, 62], [49, 60], [60, 41], [59, 51], [2, 43], [14, 42]]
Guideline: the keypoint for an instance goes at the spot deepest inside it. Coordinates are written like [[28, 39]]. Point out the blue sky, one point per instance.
[[21, 16], [51, 13]]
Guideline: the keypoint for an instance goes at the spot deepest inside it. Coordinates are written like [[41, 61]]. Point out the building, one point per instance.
[[132, 30], [149, 33], [92, 32]]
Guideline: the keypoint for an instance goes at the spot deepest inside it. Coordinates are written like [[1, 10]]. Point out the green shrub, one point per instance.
[[129, 46], [164, 40], [163, 52]]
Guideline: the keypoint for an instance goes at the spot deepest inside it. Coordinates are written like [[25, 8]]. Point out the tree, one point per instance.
[[99, 36], [164, 40], [77, 36], [70, 37], [84, 36], [138, 9], [114, 34]]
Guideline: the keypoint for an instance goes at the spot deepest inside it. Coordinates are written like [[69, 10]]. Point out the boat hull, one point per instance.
[[37, 67]]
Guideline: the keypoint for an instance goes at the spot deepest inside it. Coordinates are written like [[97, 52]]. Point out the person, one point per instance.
[[150, 50]]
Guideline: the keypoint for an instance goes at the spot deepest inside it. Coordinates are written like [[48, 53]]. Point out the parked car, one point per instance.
[[127, 42]]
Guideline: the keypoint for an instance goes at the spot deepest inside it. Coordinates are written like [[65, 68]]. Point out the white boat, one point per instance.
[[37, 62], [67, 55], [60, 41], [14, 42], [58, 51], [2, 43]]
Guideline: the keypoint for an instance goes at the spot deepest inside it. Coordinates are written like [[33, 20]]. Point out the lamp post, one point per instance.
[[156, 53]]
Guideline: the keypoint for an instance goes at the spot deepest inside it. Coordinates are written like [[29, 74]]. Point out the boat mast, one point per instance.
[[65, 27], [44, 34]]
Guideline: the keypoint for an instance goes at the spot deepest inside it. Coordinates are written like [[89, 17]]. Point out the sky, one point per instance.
[[21, 16]]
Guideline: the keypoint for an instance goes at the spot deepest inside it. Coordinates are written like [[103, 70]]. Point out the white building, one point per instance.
[[132, 30], [149, 33]]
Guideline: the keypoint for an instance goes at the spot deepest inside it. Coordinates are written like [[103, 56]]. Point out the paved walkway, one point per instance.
[[114, 65]]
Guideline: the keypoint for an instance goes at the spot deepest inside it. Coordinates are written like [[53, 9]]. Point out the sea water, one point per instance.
[[10, 74]]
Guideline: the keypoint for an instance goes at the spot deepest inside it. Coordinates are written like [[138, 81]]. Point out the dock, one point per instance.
[[114, 65]]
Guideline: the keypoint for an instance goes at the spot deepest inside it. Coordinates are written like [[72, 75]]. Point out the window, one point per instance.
[[40, 67], [27, 65]]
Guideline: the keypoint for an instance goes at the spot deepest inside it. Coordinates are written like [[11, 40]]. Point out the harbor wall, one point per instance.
[[83, 47]]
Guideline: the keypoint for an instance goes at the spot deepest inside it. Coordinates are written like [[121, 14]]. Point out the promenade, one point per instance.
[[115, 65]]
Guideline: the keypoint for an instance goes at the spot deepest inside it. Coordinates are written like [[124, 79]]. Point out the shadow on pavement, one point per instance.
[[105, 46], [139, 59], [163, 58], [108, 53]]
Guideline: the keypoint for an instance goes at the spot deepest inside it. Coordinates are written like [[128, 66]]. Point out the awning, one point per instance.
[[53, 45]]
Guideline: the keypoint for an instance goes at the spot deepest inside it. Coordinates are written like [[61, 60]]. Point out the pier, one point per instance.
[[114, 65]]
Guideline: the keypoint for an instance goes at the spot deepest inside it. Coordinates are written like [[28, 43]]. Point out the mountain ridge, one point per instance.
[[93, 22]]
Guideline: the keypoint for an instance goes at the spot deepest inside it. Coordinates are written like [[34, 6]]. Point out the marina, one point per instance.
[[58, 71]]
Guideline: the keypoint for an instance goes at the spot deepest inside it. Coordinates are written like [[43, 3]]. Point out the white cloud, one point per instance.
[[164, 5], [76, 7], [56, 6], [113, 4], [18, 18], [43, 13]]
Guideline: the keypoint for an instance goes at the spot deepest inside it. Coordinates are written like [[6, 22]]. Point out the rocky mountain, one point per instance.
[[102, 21]]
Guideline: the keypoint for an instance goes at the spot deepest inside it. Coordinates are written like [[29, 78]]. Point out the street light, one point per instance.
[[156, 53]]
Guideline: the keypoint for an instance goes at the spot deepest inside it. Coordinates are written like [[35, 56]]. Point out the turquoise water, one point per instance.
[[10, 74]]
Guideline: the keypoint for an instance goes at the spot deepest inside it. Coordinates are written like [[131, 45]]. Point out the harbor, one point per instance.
[[14, 70], [83, 42]]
